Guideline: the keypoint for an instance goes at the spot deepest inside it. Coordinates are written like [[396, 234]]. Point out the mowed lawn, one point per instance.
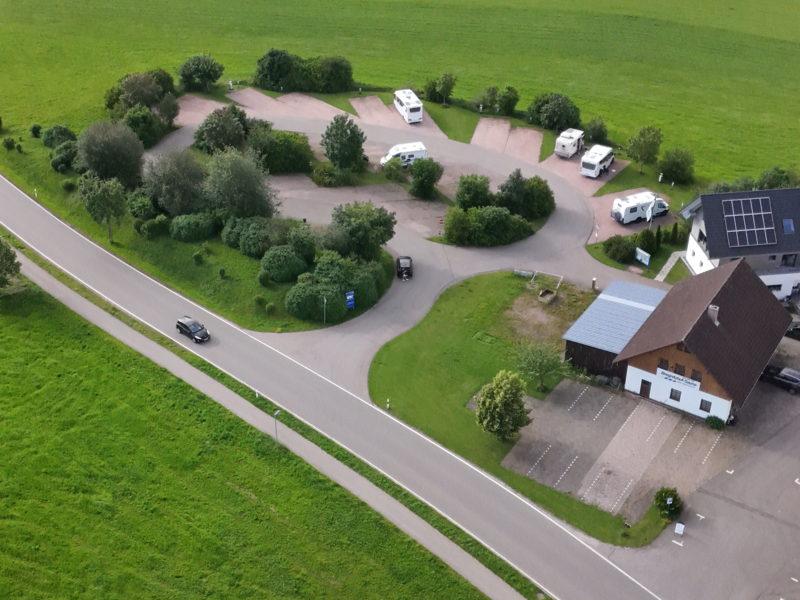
[[118, 480], [720, 77]]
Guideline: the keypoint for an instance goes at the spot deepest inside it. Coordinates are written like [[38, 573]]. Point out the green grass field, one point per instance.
[[678, 272], [459, 346], [120, 481]]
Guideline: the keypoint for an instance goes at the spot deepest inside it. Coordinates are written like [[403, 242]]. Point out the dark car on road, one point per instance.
[[405, 267], [788, 379], [196, 332]]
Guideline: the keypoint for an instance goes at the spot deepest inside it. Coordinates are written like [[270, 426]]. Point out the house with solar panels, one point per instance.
[[760, 227]]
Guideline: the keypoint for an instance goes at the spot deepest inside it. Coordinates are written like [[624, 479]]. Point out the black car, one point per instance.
[[788, 379], [405, 267], [196, 332]]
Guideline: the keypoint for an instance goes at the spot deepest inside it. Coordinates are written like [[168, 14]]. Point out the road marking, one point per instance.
[[683, 438], [797, 481], [540, 459], [678, 543], [613, 508], [656, 427], [591, 486], [565, 472], [502, 485], [578, 398], [712, 448], [729, 472], [701, 516], [793, 579], [602, 409], [629, 418]]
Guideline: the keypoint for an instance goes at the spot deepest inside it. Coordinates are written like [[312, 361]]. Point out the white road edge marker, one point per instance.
[[701, 516], [729, 472], [678, 543]]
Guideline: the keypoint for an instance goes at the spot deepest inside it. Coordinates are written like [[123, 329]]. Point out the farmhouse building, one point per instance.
[[704, 346], [761, 227]]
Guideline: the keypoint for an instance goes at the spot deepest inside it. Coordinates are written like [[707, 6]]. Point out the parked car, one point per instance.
[[196, 332], [405, 267], [788, 379]]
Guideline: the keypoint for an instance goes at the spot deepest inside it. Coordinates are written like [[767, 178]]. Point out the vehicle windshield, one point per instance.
[[405, 262], [195, 327]]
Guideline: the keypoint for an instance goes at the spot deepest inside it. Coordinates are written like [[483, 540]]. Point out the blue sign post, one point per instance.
[[351, 299]]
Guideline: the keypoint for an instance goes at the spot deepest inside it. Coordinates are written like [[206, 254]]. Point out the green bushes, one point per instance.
[[507, 101], [57, 135], [64, 155], [278, 70], [620, 249], [253, 237], [646, 240], [554, 111], [68, 185], [426, 173], [530, 198], [303, 243], [153, 228], [36, 131], [473, 192], [486, 226], [430, 91], [715, 423], [281, 151], [677, 165], [596, 131], [192, 228], [140, 206], [668, 503], [199, 72], [224, 128], [8, 143], [283, 264], [393, 170], [144, 124], [316, 302]]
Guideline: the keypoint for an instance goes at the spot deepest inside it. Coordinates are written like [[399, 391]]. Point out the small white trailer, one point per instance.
[[408, 105], [407, 153], [569, 143], [596, 161], [635, 208]]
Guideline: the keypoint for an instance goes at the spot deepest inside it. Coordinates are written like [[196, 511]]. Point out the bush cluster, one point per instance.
[[770, 179], [280, 151], [529, 198], [281, 264], [65, 154], [554, 111], [278, 70], [146, 125], [715, 423], [484, 226], [393, 170], [426, 174], [596, 131], [199, 72], [326, 175], [677, 165], [141, 206], [57, 135], [620, 249], [153, 228], [226, 127], [193, 228]]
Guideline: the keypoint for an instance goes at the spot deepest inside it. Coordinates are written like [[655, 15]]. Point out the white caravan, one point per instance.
[[634, 208], [407, 153], [569, 143], [596, 161], [408, 105]]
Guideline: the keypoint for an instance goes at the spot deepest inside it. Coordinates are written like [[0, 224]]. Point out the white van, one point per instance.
[[407, 153], [408, 105], [596, 161], [569, 143], [634, 208]]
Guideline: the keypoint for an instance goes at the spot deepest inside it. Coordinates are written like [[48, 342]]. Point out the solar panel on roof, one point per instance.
[[749, 222]]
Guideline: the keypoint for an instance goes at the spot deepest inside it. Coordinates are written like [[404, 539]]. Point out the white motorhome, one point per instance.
[[407, 153], [569, 143], [634, 208], [596, 161], [408, 105]]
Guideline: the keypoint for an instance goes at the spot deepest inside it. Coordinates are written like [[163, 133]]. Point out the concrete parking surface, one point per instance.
[[602, 205]]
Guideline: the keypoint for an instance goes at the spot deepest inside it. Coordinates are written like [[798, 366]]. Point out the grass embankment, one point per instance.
[[678, 272], [432, 371], [657, 259], [120, 480]]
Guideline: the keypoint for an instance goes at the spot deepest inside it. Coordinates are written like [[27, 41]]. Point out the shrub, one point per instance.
[[343, 143], [57, 135], [445, 85], [68, 185], [112, 96], [305, 301], [64, 155], [260, 301], [596, 131], [169, 108], [501, 409], [393, 170], [368, 227], [278, 69], [775, 178], [659, 238], [139, 89], [112, 150], [646, 240], [426, 173], [253, 238], [269, 308], [19, 149], [144, 124], [511, 194], [197, 257], [174, 180], [620, 249], [337, 239], [473, 192], [282, 151], [137, 225], [430, 91], [538, 200], [152, 228], [559, 113], [365, 286], [222, 273], [61, 168], [231, 232], [1, 123], [192, 228], [671, 510], [487, 98], [677, 165], [283, 264], [8, 143], [164, 81], [303, 242], [507, 101], [535, 108], [236, 185], [206, 247], [140, 206], [457, 227], [264, 278], [715, 423], [673, 236], [223, 128], [324, 175], [272, 69], [199, 72], [498, 226], [335, 75], [36, 131]]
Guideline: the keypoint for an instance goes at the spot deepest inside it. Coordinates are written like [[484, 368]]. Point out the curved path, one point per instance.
[[321, 376]]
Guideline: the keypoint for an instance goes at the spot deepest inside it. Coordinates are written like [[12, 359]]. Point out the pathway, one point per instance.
[[674, 258]]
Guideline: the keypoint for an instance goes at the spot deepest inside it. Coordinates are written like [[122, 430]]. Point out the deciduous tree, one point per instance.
[[501, 410], [9, 265], [112, 150], [237, 186], [426, 173], [175, 181], [343, 142], [644, 148], [104, 200], [540, 361], [473, 191], [367, 227], [445, 86], [139, 88], [199, 72], [168, 108]]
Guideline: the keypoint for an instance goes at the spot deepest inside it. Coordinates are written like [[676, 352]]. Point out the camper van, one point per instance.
[[596, 161], [408, 105], [569, 143], [634, 208], [407, 153]]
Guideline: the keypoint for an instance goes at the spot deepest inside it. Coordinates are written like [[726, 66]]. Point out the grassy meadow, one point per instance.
[[120, 481]]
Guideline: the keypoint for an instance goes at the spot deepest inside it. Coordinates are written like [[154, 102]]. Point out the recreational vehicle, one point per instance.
[[569, 143], [634, 208], [596, 161], [407, 153], [408, 105]]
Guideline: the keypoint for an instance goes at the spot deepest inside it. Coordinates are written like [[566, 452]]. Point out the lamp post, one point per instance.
[[275, 416]]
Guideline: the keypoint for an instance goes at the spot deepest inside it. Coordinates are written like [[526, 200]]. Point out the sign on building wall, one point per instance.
[[679, 379]]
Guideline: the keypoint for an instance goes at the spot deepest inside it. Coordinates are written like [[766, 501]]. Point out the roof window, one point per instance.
[[788, 226]]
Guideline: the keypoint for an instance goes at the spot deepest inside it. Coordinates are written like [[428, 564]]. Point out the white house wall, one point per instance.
[[664, 381], [697, 258], [786, 280]]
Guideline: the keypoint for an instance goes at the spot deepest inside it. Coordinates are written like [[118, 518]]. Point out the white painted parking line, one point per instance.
[[712, 448], [540, 459], [621, 496], [602, 409], [683, 438], [565, 472], [797, 481], [629, 418], [655, 428], [578, 398], [701, 516], [678, 543], [729, 472], [589, 489], [793, 579]]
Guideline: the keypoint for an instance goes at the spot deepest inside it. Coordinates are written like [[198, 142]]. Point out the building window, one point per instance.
[[697, 375], [788, 260], [663, 364], [680, 369], [788, 226], [675, 395], [693, 252], [705, 405], [775, 288], [772, 257], [701, 263], [682, 347]]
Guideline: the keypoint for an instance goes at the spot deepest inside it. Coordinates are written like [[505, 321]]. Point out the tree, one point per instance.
[[668, 510], [168, 108], [596, 131], [658, 238], [393, 170], [426, 173], [367, 227], [144, 124], [224, 128], [775, 178], [139, 88], [677, 165], [540, 362], [501, 410], [445, 85], [175, 181], [104, 200], [538, 199], [237, 186], [199, 72], [457, 227], [559, 113], [646, 240], [487, 98], [272, 68], [343, 143], [535, 108], [9, 265], [644, 148], [429, 91], [164, 81], [473, 191], [507, 101], [511, 194], [673, 236], [112, 150]]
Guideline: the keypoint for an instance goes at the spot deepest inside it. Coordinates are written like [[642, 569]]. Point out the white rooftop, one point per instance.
[[636, 199], [571, 134], [408, 97], [596, 153]]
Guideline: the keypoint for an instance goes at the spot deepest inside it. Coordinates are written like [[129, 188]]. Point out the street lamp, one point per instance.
[[275, 416]]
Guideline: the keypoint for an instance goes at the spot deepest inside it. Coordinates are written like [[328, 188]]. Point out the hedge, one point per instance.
[[283, 264], [485, 226], [192, 228]]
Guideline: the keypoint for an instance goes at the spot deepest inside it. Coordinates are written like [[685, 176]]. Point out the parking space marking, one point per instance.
[[797, 481], [565, 472], [621, 496], [712, 448], [701, 516], [578, 398], [591, 486], [652, 433], [729, 472], [683, 438], [629, 418], [678, 543], [602, 409], [793, 579], [540, 459]]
